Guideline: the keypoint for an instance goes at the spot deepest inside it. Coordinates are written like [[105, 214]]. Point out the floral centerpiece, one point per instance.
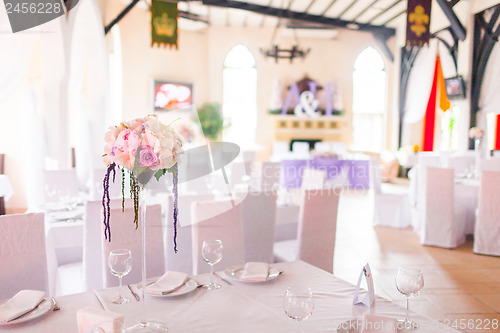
[[476, 133], [145, 147]]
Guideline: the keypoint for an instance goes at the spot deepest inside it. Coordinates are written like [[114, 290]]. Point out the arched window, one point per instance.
[[239, 96], [369, 101]]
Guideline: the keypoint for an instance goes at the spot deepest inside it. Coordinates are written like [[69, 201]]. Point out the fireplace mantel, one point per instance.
[[324, 128]]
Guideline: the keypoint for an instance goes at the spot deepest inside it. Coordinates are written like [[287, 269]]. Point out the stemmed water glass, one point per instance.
[[120, 264], [409, 282], [211, 252], [298, 303]]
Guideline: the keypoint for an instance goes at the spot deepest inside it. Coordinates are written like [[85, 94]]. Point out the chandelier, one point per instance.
[[274, 51]]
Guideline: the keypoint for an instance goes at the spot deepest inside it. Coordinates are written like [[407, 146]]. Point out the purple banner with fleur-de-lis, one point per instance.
[[418, 22]]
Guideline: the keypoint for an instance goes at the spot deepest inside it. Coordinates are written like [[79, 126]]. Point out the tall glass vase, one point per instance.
[[145, 326], [477, 151]]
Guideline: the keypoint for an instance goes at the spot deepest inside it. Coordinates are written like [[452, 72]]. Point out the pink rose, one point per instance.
[[127, 141], [147, 157], [150, 140], [125, 159]]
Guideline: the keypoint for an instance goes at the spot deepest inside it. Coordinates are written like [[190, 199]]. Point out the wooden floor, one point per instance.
[[458, 283]]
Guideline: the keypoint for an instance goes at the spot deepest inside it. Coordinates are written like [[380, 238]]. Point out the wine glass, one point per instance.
[[409, 282], [211, 252], [120, 264], [298, 303]]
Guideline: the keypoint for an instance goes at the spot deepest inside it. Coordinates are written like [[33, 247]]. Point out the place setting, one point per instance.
[[25, 306]]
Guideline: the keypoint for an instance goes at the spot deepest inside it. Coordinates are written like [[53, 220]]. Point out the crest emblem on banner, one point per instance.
[[164, 23]]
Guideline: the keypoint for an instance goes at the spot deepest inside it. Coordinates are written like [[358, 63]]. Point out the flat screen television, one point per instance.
[[171, 95], [455, 87]]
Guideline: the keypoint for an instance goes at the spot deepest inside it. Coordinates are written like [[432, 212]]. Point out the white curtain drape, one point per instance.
[[489, 100]]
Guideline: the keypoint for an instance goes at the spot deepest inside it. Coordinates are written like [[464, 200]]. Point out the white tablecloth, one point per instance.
[[6, 189], [236, 308]]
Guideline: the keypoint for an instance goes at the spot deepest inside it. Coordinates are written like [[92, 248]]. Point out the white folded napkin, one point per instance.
[[89, 317], [378, 324], [167, 283], [255, 272], [22, 302]]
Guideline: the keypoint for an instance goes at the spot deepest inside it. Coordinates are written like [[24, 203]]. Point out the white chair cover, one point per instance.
[[93, 236], [442, 222], [23, 262], [313, 179], [225, 226], [270, 176], [300, 150], [182, 261], [487, 228], [87, 274], [281, 151], [124, 235], [59, 184], [258, 215], [315, 243], [322, 147], [240, 172], [490, 164], [390, 209]]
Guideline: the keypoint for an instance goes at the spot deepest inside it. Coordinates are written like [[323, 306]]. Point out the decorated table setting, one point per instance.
[[238, 306]]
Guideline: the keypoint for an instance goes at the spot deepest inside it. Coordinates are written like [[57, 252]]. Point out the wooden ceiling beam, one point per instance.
[[293, 15]]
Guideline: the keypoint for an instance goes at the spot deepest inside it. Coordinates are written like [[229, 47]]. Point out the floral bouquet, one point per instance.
[[145, 147], [476, 133]]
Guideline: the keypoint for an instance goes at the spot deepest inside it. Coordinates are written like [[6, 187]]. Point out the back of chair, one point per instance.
[[124, 235], [270, 175], [2, 164], [224, 223], [487, 228], [182, 261], [23, 261], [317, 227], [438, 226], [258, 214], [490, 164], [313, 179], [93, 233], [375, 176]]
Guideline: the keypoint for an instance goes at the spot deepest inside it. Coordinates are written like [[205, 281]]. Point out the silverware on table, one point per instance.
[[133, 293], [220, 277], [55, 307]]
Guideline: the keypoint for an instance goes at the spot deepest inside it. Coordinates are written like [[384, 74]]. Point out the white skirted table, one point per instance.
[[239, 307]]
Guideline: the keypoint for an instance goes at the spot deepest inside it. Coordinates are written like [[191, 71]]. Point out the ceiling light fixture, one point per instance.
[[274, 51]]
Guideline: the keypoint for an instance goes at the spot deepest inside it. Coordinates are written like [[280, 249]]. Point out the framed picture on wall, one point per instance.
[[172, 95]]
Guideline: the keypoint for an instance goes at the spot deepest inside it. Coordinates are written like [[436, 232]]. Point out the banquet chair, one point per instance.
[[315, 243], [313, 178], [239, 172], [87, 274], [487, 228], [124, 235], [270, 176], [490, 164], [258, 216], [182, 261], [218, 220], [23, 261], [442, 221], [300, 150], [281, 150], [322, 147], [390, 209]]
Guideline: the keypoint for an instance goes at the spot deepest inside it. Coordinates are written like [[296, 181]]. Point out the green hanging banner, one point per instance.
[[163, 23]]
